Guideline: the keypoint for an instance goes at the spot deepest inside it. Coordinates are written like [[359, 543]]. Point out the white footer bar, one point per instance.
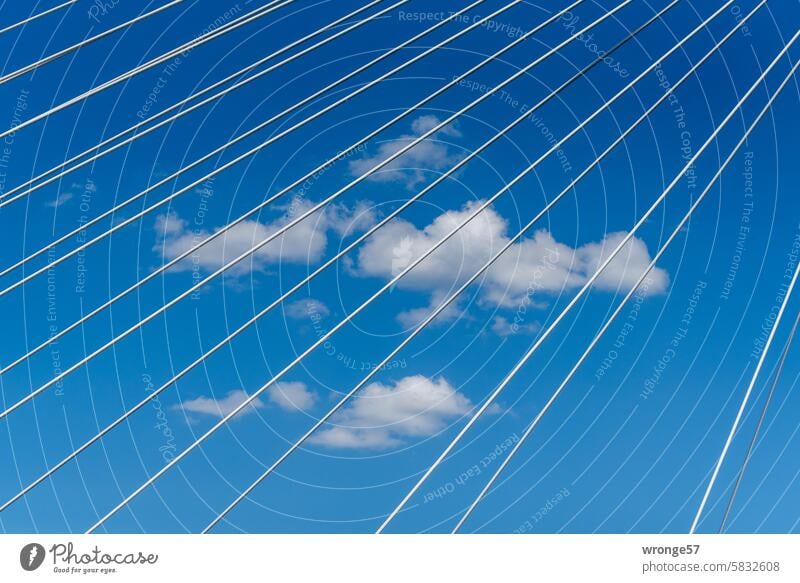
[[401, 558]]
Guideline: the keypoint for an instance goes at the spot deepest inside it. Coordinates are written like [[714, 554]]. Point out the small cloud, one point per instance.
[[503, 328], [292, 396], [208, 406], [60, 200], [411, 168], [307, 308], [304, 243], [415, 316], [426, 123], [170, 224], [384, 416], [495, 409]]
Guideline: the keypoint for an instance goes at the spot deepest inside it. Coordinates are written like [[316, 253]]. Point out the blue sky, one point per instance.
[[628, 446]]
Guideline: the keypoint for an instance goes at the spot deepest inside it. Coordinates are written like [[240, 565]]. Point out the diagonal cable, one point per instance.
[[464, 286], [621, 305], [37, 16], [487, 403], [745, 400], [723, 8], [260, 147], [188, 46], [760, 423], [209, 155], [71, 49], [154, 394], [6, 199], [387, 286], [268, 201], [338, 326], [284, 228]]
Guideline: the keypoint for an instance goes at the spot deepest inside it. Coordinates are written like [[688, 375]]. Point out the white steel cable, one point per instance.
[[745, 399], [743, 405], [621, 305], [442, 306], [263, 204], [185, 254], [487, 403], [324, 266], [754, 439], [350, 316], [333, 330], [260, 147], [37, 16], [57, 55], [5, 199], [194, 43], [432, 316], [280, 231], [222, 148], [112, 211]]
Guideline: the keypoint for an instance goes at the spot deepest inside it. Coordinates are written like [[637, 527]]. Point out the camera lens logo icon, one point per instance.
[[31, 556]]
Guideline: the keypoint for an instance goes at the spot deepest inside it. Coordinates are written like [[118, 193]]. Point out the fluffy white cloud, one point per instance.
[[289, 396], [531, 270], [503, 327], [626, 268], [305, 308], [411, 318], [292, 396], [430, 155], [304, 243], [383, 416], [219, 407]]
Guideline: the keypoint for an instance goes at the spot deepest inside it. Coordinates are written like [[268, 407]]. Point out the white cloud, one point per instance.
[[170, 225], [292, 396], [411, 318], [503, 327], [430, 155], [289, 396], [305, 308], [219, 407], [626, 268], [304, 243], [532, 269], [383, 416], [60, 200]]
